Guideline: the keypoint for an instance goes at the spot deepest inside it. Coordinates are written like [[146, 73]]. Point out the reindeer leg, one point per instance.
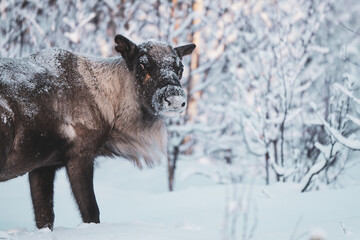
[[80, 172], [42, 194]]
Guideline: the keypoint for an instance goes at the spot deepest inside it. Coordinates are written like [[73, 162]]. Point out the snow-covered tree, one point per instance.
[[258, 69]]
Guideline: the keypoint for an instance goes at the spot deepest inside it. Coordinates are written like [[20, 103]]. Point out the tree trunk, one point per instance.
[[276, 158], [192, 110], [267, 177], [172, 166]]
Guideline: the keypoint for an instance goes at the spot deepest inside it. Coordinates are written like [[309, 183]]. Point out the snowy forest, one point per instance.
[[273, 91]]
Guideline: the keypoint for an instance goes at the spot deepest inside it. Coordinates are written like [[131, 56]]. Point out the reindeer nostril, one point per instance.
[[183, 104], [168, 102]]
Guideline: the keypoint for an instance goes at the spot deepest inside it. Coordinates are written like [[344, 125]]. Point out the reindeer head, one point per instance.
[[158, 69]]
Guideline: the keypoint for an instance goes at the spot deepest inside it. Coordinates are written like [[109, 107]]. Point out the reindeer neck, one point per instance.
[[112, 86]]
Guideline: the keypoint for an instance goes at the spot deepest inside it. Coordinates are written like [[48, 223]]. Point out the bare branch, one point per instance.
[[341, 24]]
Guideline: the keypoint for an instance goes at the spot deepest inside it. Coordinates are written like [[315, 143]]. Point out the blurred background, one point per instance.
[[273, 85]]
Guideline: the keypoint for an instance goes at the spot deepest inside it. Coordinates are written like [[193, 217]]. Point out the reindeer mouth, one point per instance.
[[169, 101]]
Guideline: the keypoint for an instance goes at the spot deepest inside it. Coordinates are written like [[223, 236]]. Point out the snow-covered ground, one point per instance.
[[135, 204]]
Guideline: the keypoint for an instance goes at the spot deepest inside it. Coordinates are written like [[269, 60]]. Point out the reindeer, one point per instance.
[[61, 109]]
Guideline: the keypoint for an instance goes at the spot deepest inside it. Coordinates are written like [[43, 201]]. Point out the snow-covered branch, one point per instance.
[[354, 119], [346, 92], [313, 171], [349, 142]]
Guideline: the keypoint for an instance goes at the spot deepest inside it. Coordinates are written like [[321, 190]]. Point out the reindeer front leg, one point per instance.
[[42, 194], [80, 172]]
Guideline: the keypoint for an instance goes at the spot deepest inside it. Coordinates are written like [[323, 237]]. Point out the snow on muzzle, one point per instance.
[[169, 101]]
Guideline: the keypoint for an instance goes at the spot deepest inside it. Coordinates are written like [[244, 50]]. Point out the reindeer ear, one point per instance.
[[185, 50], [127, 49]]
